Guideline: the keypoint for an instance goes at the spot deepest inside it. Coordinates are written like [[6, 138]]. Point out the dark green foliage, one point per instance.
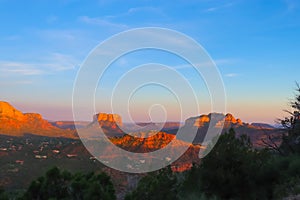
[[232, 170], [156, 185], [288, 170], [291, 141], [3, 195], [191, 187], [64, 185]]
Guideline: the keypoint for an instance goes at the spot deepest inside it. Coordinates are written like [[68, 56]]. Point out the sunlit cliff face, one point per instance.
[[14, 122]]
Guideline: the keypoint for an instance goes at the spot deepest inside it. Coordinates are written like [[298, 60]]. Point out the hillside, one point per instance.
[[15, 123]]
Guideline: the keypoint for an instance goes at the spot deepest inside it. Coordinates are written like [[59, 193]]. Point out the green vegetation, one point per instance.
[[3, 195], [291, 141], [156, 185], [64, 185], [233, 169]]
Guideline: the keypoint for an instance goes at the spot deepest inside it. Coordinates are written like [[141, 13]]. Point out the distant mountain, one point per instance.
[[71, 125], [200, 124], [15, 123], [263, 125]]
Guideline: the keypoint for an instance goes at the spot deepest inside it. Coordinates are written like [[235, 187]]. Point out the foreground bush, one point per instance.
[[161, 185], [64, 185], [232, 170]]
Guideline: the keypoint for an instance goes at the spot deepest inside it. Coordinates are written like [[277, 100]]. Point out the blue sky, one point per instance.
[[255, 45]]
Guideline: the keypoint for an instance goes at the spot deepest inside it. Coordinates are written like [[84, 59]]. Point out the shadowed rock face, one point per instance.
[[110, 125], [13, 122], [197, 121], [105, 119]]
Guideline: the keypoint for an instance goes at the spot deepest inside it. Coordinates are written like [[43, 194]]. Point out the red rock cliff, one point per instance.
[[14, 122]]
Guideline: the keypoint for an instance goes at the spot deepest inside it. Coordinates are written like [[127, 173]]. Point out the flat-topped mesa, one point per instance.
[[106, 119], [203, 120], [200, 121]]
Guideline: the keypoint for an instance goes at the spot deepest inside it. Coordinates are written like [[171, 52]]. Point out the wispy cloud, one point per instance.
[[217, 62], [12, 83], [26, 69], [101, 22], [144, 9], [231, 75], [51, 64], [135, 10], [60, 62], [219, 7]]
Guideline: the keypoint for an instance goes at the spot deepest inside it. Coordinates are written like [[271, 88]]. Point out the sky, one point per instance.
[[255, 45]]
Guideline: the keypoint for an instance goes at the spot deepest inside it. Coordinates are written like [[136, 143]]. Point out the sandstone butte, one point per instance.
[[14, 122], [114, 118], [113, 121], [219, 119]]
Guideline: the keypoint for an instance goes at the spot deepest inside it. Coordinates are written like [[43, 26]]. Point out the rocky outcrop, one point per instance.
[[198, 121], [141, 142], [108, 120], [230, 118], [217, 120], [112, 118], [14, 122], [239, 121], [8, 112], [110, 125]]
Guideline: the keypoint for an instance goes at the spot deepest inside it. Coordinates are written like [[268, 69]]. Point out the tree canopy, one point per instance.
[[58, 184], [291, 141]]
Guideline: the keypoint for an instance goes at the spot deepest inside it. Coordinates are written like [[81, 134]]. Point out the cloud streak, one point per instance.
[[53, 63], [101, 22], [231, 75], [216, 8]]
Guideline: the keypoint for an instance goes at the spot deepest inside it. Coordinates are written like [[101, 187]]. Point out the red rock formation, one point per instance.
[[111, 118], [238, 121], [203, 120], [229, 118], [14, 122], [198, 121], [111, 121], [140, 143]]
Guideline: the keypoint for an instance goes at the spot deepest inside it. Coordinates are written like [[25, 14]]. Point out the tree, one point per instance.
[[161, 185], [291, 141], [64, 185], [3, 195], [232, 170]]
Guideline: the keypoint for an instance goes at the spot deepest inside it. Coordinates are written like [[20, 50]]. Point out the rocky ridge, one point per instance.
[[14, 122]]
